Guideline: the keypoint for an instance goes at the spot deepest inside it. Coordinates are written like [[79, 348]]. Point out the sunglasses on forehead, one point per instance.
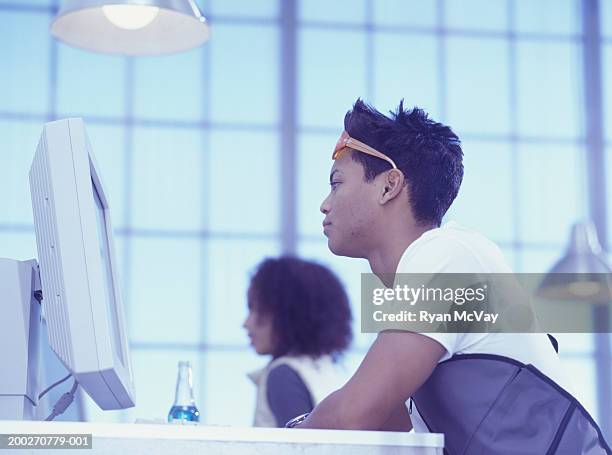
[[347, 142]]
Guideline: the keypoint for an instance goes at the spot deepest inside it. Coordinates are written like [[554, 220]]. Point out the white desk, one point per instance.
[[151, 439]]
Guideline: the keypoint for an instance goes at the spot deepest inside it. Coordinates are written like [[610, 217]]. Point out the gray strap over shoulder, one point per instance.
[[513, 408]]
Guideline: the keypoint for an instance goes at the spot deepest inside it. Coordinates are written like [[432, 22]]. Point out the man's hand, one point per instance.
[[396, 365]]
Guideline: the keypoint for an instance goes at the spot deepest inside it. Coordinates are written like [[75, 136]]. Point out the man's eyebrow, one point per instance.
[[331, 176]]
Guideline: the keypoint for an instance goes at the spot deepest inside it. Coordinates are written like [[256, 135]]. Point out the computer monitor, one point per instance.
[[81, 292]]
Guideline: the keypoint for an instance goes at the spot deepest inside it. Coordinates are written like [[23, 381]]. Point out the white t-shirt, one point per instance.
[[455, 249]]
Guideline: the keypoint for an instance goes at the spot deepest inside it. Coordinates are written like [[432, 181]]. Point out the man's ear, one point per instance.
[[392, 185]]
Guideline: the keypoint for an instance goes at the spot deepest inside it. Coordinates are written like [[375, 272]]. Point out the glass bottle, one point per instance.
[[184, 407]]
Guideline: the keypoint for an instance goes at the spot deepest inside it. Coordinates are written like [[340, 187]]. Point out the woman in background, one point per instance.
[[300, 315]]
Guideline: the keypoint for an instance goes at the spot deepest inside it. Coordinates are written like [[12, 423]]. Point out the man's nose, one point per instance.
[[325, 206]]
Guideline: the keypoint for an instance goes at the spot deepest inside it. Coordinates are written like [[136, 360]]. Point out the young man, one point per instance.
[[392, 181]]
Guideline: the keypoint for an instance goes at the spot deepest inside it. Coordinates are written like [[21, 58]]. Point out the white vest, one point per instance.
[[321, 376]]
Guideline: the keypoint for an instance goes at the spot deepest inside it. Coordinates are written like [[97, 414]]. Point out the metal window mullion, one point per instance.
[[288, 126], [592, 71]]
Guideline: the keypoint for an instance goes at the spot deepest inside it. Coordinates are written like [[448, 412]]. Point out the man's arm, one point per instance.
[[399, 420], [393, 369]]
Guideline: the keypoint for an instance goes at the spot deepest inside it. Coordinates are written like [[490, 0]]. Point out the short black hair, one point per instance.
[[309, 307], [428, 153]]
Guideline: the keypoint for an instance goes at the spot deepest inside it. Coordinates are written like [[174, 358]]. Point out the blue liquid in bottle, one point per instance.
[[188, 413], [184, 408]]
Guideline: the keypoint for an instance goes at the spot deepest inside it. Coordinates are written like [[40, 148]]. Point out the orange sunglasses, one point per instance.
[[346, 142]]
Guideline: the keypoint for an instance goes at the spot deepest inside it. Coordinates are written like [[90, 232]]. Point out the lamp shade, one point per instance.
[[582, 273], [132, 27]]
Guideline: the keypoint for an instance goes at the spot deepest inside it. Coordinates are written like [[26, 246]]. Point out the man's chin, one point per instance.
[[341, 250]]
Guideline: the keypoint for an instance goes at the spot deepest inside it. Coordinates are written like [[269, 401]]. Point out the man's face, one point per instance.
[[351, 209]]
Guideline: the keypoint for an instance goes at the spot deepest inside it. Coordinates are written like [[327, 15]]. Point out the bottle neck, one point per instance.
[[184, 387]]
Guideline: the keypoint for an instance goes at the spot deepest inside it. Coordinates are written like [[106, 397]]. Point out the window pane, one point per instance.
[[349, 272], [551, 192], [93, 413], [572, 343], [582, 374], [229, 395], [167, 179], [606, 62], [25, 49], [108, 144], [352, 360], [314, 164], [19, 245], [244, 74], [486, 165], [605, 11], [26, 3], [405, 12], [18, 142], [476, 14], [165, 290], [331, 76], [511, 255], [609, 197], [89, 83], [241, 8], [539, 260], [244, 171], [230, 265], [339, 11], [548, 16], [169, 86], [478, 85], [405, 67], [549, 88]]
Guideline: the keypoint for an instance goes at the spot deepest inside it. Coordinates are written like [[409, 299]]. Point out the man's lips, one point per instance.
[[326, 224]]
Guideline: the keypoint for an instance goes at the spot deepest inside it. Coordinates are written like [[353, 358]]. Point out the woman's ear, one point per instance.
[[392, 185]]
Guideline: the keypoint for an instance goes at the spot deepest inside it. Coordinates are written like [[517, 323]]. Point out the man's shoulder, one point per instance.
[[454, 234], [454, 249]]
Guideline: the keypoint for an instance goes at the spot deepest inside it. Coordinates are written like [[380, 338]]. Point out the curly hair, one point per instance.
[[308, 305], [427, 152]]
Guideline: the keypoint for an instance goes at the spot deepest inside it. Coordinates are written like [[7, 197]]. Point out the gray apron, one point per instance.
[[513, 409]]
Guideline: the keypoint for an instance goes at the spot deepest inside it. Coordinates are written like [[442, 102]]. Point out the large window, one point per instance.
[[190, 150]]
